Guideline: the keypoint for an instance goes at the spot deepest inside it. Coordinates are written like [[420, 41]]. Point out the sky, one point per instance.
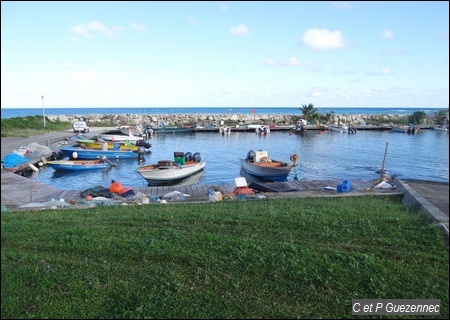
[[89, 54]]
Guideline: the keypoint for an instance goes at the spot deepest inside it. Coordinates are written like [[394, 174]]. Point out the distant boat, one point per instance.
[[135, 130], [116, 135], [225, 130], [439, 127], [405, 129], [168, 171], [260, 165], [162, 128], [79, 165], [262, 130], [341, 129], [89, 153]]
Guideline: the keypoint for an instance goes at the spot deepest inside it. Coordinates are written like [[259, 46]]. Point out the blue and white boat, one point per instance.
[[260, 165], [87, 153], [79, 165]]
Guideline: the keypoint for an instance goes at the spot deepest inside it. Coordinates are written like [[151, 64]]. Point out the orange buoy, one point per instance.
[[116, 187], [88, 198]]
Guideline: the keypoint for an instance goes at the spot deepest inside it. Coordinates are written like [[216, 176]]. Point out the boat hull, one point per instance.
[[155, 175], [339, 129], [274, 171], [80, 153], [76, 165], [173, 130], [110, 145]]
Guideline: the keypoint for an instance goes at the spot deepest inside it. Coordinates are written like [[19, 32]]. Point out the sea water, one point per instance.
[[323, 155]]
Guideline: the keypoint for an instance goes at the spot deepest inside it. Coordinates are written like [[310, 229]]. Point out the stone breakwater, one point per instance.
[[227, 119]]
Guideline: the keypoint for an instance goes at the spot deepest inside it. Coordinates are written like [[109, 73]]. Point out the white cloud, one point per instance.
[[240, 30], [138, 27], [86, 30], [322, 39], [383, 71], [387, 34], [386, 70], [270, 62]]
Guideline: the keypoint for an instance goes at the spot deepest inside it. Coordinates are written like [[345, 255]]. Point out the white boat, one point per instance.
[[341, 129], [135, 130], [171, 172], [260, 165], [440, 128], [118, 136], [225, 130], [262, 130]]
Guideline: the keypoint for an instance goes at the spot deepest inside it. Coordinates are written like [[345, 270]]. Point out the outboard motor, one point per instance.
[[140, 153], [197, 157], [142, 143], [250, 155], [188, 156]]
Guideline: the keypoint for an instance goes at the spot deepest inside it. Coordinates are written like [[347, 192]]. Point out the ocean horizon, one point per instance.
[[24, 112]]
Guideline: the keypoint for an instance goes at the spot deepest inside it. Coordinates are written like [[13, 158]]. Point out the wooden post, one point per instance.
[[384, 160]]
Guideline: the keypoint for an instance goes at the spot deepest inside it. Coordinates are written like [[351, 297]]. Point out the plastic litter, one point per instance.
[[345, 186], [383, 185]]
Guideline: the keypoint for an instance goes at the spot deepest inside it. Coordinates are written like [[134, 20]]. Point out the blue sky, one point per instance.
[[225, 54]]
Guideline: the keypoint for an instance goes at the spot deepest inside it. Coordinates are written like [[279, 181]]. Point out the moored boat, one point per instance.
[[171, 172], [341, 129], [405, 129], [116, 135], [79, 165], [260, 165], [122, 145], [163, 128], [134, 130], [262, 130], [225, 130], [440, 127], [90, 153]]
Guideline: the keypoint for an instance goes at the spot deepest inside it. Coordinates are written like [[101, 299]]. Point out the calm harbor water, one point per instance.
[[331, 155]]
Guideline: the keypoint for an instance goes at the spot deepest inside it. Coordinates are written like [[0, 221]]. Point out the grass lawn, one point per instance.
[[270, 258]]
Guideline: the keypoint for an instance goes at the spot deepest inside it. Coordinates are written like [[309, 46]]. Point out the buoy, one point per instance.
[[40, 163], [89, 198], [44, 160], [33, 167], [74, 155], [116, 187]]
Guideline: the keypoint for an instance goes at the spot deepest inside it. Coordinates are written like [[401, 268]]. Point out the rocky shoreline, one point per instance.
[[228, 119]]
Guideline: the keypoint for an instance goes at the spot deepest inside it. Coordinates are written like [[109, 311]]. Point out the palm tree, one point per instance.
[[441, 116], [309, 113]]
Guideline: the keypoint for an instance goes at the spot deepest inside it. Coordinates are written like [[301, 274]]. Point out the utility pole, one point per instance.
[[43, 110]]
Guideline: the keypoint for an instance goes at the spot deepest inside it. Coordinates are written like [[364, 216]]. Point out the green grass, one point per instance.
[[271, 258], [31, 126]]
